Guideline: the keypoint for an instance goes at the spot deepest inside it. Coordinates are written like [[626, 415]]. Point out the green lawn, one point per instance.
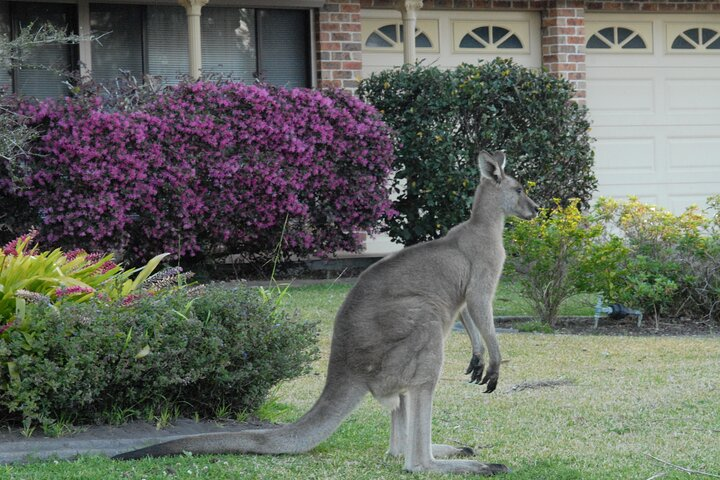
[[627, 398]]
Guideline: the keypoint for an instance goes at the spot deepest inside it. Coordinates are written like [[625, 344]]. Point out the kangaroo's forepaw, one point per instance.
[[491, 380], [475, 369]]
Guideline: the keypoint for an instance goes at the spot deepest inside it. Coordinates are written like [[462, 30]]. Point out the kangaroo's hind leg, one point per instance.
[[419, 450]]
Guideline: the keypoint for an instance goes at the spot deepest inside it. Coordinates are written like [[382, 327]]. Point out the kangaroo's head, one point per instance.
[[506, 192]]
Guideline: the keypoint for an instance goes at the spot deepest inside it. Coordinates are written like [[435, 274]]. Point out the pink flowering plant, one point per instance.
[[28, 275], [205, 168]]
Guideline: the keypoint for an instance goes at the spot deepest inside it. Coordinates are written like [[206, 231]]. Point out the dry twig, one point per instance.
[[683, 469]]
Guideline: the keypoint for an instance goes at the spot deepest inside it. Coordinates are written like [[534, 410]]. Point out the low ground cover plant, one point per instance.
[[203, 168], [193, 353]]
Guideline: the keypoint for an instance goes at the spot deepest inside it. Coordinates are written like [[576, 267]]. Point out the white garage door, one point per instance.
[[448, 38], [653, 89]]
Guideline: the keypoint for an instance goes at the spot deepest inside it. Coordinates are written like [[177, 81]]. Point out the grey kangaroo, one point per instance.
[[389, 337]]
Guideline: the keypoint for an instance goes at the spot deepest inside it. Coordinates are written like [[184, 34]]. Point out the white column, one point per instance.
[[84, 45], [192, 8], [409, 9]]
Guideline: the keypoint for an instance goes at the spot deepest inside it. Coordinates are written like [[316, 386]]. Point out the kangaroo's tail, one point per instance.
[[338, 399]]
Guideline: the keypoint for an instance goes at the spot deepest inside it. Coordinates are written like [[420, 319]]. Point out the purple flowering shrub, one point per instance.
[[209, 167]]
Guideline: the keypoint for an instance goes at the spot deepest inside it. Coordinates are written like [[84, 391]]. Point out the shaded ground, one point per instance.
[[627, 326]]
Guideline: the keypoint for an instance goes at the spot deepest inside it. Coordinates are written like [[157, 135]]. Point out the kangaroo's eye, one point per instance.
[[518, 190]]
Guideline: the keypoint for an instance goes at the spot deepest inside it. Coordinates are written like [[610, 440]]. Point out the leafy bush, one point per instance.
[[672, 268], [205, 168], [54, 277], [558, 255], [222, 350], [442, 118], [631, 253]]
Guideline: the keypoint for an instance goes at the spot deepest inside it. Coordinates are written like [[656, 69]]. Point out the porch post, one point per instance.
[[409, 9], [192, 9]]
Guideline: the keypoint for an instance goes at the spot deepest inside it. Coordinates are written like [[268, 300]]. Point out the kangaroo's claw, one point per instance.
[[475, 369]]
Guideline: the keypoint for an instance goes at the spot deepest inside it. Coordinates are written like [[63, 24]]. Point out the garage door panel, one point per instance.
[[693, 154], [691, 96], [680, 202], [621, 96], [628, 155]]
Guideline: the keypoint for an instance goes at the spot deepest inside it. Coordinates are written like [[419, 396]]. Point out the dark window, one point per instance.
[[120, 44], [42, 75]]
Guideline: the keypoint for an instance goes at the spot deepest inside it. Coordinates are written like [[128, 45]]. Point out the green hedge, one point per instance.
[[220, 351], [442, 118]]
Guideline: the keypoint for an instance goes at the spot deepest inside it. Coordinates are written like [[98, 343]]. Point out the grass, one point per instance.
[[617, 400]]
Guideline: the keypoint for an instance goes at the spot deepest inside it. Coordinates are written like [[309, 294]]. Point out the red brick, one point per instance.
[[350, 7], [352, 66], [351, 27]]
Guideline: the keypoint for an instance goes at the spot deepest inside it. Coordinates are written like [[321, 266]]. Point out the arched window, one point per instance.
[[697, 39], [388, 35], [615, 38], [492, 37]]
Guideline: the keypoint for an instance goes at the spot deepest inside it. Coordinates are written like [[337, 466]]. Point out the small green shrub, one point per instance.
[[219, 351], [557, 256], [672, 267], [442, 118]]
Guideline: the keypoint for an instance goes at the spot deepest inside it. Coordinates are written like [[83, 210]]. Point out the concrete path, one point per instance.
[[104, 440]]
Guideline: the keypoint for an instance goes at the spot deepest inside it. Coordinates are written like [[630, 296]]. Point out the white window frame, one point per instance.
[[428, 27]]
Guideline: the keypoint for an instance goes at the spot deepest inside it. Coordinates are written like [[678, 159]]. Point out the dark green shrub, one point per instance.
[[222, 350], [442, 118]]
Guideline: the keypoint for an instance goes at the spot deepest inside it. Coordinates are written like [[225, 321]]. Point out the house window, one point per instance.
[[246, 44], [487, 37], [697, 39], [625, 38], [41, 76], [120, 46], [385, 35]]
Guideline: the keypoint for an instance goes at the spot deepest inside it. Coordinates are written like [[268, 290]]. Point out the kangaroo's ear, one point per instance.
[[491, 166]]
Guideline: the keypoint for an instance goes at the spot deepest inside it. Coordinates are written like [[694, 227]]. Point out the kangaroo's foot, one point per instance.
[[439, 451], [448, 451], [459, 466]]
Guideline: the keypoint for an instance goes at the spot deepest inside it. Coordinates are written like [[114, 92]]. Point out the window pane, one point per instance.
[[635, 42], [228, 42], [422, 41], [595, 42], [499, 33], [376, 41], [120, 47], [5, 77], [512, 42], [483, 33], [608, 33], [468, 41], [167, 42], [390, 31], [623, 33], [707, 35], [40, 82], [681, 44], [693, 34], [284, 37]]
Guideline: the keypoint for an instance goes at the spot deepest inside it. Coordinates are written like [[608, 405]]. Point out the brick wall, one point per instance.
[[614, 5], [563, 42], [339, 47]]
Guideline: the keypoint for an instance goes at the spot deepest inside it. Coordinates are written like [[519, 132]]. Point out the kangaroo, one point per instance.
[[389, 336]]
